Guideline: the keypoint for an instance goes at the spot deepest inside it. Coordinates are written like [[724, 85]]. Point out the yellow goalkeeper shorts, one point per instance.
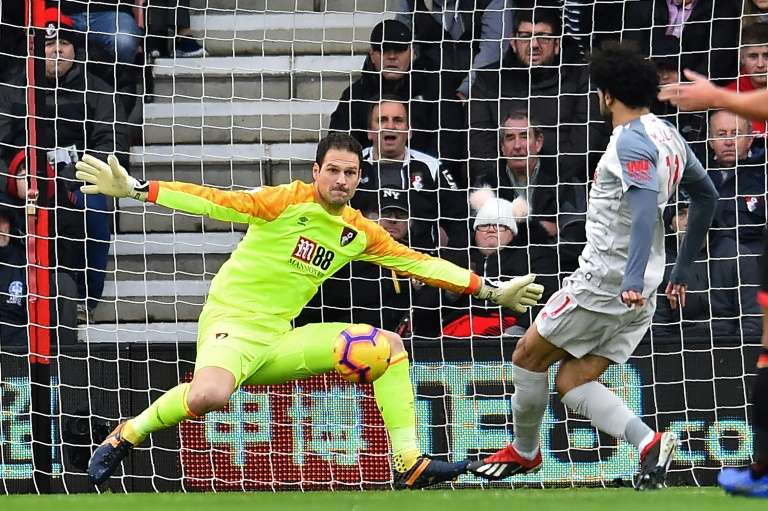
[[255, 355]]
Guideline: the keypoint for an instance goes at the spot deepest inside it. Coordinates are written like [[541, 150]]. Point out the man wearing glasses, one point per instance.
[[532, 79]]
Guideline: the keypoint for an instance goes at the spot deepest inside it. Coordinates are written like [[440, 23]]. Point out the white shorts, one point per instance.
[[579, 331]]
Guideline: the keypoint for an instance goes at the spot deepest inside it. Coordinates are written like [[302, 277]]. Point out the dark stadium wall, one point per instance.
[[324, 433]]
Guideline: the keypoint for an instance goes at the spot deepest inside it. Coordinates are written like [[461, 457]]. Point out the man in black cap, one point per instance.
[[394, 214], [388, 71], [78, 113], [61, 44]]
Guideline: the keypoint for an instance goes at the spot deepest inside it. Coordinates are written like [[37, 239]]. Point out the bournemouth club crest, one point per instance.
[[347, 235]]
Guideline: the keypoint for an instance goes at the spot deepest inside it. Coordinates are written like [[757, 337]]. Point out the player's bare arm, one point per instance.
[[701, 94]]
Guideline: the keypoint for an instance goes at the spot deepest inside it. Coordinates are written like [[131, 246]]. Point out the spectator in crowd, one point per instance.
[[693, 318], [14, 38], [114, 38], [73, 119], [381, 296], [737, 236], [388, 72], [708, 31], [753, 59], [111, 25], [67, 255], [755, 11], [457, 36], [13, 283], [164, 16], [730, 139], [13, 268], [692, 126], [532, 79], [437, 204], [522, 172], [494, 257]]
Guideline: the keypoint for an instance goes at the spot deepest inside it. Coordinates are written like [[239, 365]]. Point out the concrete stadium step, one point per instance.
[[162, 277], [155, 301], [175, 243], [149, 290], [245, 6], [285, 34], [272, 77], [137, 217], [141, 331], [252, 6], [236, 122], [239, 165], [165, 266], [154, 309], [162, 287]]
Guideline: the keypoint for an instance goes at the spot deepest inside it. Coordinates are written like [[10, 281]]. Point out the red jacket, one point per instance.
[[744, 84]]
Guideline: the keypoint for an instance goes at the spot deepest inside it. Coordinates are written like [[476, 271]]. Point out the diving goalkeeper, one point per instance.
[[298, 236]]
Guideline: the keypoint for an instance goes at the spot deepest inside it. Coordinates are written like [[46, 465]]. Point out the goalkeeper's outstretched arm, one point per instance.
[[517, 294], [112, 179]]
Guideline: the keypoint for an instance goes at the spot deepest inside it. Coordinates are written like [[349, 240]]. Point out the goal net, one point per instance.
[[99, 299]]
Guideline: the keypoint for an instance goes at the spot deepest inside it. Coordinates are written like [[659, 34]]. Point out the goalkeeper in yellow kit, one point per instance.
[[298, 236]]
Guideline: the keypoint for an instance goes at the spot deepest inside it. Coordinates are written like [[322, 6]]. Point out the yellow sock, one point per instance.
[[170, 409], [394, 397]]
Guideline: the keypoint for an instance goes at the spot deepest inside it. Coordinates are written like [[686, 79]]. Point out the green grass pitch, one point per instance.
[[682, 499]]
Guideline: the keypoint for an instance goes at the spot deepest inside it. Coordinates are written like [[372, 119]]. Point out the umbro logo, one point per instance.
[[303, 220]]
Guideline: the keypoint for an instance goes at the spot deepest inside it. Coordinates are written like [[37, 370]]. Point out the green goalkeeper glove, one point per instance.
[[109, 179], [517, 294]]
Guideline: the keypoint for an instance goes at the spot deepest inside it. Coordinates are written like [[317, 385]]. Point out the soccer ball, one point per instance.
[[361, 354]]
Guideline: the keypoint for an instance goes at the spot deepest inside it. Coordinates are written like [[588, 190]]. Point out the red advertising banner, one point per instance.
[[320, 433]]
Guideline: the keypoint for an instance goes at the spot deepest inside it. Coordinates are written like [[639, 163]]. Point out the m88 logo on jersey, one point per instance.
[[313, 253]]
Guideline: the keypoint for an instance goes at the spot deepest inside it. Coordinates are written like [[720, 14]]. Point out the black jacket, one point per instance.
[[14, 290], [420, 88], [741, 209], [557, 98], [503, 264], [434, 197], [541, 195], [710, 37], [693, 317], [91, 120], [13, 278]]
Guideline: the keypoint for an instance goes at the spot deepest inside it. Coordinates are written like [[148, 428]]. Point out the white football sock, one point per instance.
[[606, 411], [528, 406]]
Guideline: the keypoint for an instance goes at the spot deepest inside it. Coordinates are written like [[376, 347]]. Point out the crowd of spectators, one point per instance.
[[514, 77], [481, 134], [95, 58]]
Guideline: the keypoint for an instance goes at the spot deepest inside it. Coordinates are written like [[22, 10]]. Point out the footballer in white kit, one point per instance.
[[605, 307], [587, 315]]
